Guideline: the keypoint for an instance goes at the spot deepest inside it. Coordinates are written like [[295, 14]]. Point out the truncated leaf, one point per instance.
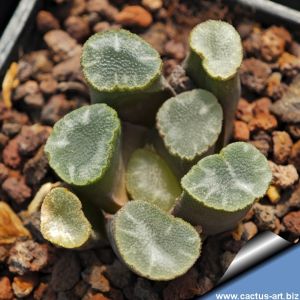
[[219, 45], [220, 189], [153, 243], [62, 220], [215, 56], [190, 123], [118, 60], [81, 145], [150, 179]]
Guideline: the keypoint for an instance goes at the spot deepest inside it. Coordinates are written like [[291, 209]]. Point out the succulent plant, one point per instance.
[[84, 151], [220, 189], [149, 178], [152, 234], [215, 56], [68, 223], [153, 243], [189, 125], [124, 71]]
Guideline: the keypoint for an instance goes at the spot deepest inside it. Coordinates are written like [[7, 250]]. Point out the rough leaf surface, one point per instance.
[[117, 60], [231, 180], [219, 45], [62, 220], [149, 178], [81, 144], [153, 243], [190, 123]]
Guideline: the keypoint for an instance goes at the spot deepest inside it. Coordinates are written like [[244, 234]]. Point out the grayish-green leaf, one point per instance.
[[118, 60], [62, 220], [190, 123], [153, 243], [83, 149], [220, 189], [219, 45], [150, 179], [124, 71], [81, 144], [215, 56]]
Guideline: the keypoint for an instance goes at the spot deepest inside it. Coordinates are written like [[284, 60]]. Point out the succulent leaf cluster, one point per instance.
[[150, 185]]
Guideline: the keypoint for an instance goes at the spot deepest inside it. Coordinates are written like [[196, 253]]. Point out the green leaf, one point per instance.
[[215, 56], [219, 46], [81, 144], [190, 123], [152, 243], [222, 187], [118, 60], [150, 179], [124, 71], [63, 222], [83, 150]]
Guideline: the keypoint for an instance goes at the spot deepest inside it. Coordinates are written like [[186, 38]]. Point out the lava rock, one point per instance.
[[28, 256]]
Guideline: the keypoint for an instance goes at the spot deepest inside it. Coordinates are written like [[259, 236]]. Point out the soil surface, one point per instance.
[[49, 84]]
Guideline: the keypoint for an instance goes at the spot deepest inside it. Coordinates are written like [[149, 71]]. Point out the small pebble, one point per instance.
[[275, 88], [28, 256], [249, 231], [94, 277], [144, 290], [263, 121], [153, 4], [36, 168], [102, 7], [31, 138], [272, 45], [55, 109], [244, 110], [118, 274], [101, 26], [264, 217], [3, 172], [3, 140], [175, 50], [48, 85], [11, 129], [46, 21], [77, 27], [287, 109], [292, 222], [66, 272], [134, 15], [289, 65], [262, 145], [262, 106], [294, 200], [283, 176], [294, 130], [273, 194], [16, 189], [40, 291], [282, 146], [295, 155], [254, 74], [61, 44], [24, 285], [241, 131], [5, 289]]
